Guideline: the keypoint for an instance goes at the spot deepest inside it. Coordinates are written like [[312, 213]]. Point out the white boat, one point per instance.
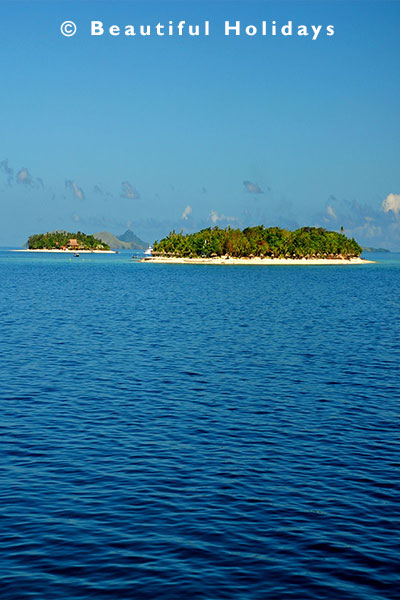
[[148, 251]]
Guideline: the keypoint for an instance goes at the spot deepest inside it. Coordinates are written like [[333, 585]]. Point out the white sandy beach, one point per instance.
[[257, 261], [67, 251]]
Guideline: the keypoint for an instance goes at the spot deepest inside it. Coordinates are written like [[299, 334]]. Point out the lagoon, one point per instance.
[[179, 431]]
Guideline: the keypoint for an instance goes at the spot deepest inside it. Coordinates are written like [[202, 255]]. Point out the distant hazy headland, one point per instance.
[[127, 241], [370, 249]]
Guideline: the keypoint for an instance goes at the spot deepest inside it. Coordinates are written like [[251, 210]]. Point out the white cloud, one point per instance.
[[76, 190], [368, 230], [129, 192], [186, 213], [331, 212], [23, 176], [252, 188], [215, 217], [5, 168], [391, 203]]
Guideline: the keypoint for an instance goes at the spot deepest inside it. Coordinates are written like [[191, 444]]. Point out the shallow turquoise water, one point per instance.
[[184, 431]]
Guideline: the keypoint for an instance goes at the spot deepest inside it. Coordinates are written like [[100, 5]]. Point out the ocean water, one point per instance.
[[201, 432]]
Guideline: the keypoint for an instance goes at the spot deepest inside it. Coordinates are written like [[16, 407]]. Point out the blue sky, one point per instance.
[[105, 133]]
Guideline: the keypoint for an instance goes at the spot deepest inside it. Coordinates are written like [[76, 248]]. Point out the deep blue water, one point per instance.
[[205, 432]]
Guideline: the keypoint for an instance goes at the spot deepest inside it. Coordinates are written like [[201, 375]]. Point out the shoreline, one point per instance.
[[65, 251], [258, 261]]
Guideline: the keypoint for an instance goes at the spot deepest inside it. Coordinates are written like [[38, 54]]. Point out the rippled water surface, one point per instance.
[[195, 431]]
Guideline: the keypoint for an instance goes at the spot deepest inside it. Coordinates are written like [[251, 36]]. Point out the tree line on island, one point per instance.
[[271, 242], [103, 240], [65, 240]]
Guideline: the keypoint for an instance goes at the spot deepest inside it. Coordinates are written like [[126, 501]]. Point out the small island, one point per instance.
[[258, 245], [64, 241]]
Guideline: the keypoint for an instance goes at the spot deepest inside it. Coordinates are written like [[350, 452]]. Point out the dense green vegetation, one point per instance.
[[307, 242], [61, 239]]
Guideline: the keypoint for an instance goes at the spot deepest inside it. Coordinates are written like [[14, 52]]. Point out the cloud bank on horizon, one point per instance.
[[370, 225]]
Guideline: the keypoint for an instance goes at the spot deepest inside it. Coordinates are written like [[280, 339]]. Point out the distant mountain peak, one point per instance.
[[128, 240]]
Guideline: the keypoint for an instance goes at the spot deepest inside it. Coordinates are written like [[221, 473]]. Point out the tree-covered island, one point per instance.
[[261, 242], [65, 240]]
